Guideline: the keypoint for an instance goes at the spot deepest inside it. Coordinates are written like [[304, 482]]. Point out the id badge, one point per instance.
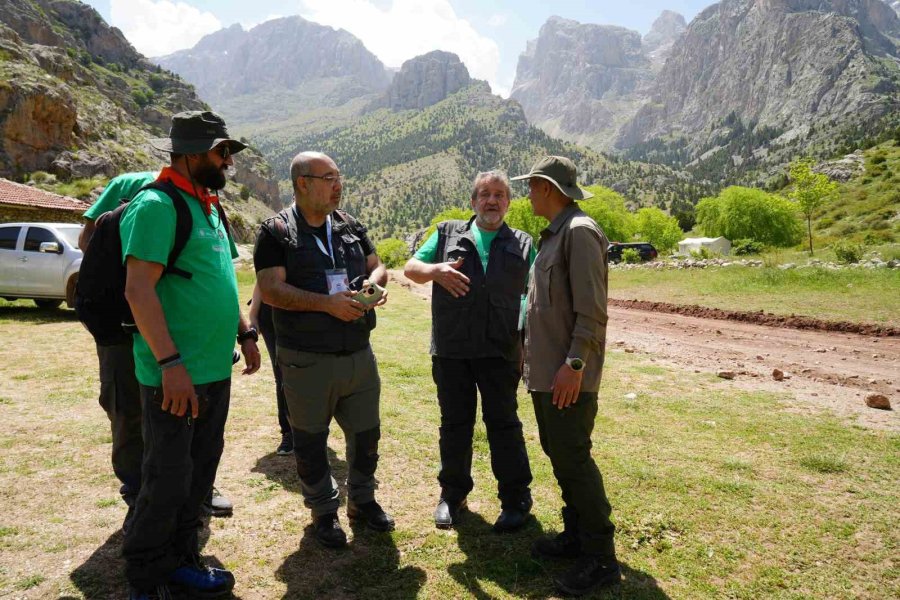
[[337, 281]]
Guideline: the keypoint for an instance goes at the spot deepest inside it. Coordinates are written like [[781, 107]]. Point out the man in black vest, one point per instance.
[[311, 259], [481, 270]]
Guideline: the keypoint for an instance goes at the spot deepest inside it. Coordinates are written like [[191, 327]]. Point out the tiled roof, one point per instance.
[[24, 195]]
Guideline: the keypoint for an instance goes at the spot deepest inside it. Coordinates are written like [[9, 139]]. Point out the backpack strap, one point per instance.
[[184, 223]]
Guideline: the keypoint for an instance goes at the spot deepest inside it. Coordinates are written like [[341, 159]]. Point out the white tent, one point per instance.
[[717, 245]]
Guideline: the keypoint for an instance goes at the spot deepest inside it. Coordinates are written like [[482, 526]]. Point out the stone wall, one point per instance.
[[16, 214]]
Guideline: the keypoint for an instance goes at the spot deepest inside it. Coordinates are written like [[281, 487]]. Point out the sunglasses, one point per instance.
[[224, 151]]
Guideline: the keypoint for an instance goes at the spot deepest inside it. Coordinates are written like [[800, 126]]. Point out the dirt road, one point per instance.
[[823, 370]]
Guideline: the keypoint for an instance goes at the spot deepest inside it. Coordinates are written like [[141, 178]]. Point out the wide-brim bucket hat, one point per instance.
[[561, 172], [196, 132]]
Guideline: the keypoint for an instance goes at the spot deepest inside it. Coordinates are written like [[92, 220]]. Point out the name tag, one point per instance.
[[337, 281]]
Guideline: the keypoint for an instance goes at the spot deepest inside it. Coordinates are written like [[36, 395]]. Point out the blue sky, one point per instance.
[[488, 35]]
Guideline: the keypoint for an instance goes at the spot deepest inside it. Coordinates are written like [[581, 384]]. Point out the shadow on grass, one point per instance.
[[283, 471], [368, 568], [102, 575], [504, 560], [39, 316]]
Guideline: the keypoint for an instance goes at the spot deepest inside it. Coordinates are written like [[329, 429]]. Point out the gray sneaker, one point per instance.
[[217, 505]]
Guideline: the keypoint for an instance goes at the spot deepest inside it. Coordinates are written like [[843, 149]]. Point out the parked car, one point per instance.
[[645, 249], [39, 261]]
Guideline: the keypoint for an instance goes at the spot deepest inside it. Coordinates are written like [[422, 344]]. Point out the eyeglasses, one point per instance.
[[224, 151], [330, 178]]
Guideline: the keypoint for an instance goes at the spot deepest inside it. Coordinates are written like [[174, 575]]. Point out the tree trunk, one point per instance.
[[809, 231]]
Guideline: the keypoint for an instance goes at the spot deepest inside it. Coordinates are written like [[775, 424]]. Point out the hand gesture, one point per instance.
[[447, 276]]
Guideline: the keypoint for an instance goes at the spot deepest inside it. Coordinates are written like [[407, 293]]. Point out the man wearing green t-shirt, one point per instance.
[[182, 356], [481, 268], [119, 393]]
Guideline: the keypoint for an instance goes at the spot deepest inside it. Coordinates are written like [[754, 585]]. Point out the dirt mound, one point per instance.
[[759, 318]]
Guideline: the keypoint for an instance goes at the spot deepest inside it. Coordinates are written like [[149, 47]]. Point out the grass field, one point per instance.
[[717, 493], [861, 295]]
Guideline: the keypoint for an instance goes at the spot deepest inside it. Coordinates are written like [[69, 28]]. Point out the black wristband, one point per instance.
[[250, 334], [163, 362]]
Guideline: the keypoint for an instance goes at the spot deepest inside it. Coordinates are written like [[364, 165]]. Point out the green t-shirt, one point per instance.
[[202, 313], [427, 252], [125, 185]]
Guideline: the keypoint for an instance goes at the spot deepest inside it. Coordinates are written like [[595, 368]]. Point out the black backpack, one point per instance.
[[100, 292]]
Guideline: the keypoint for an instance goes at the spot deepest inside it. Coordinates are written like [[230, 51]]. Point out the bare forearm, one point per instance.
[[379, 274], [280, 294], [150, 319], [418, 271]]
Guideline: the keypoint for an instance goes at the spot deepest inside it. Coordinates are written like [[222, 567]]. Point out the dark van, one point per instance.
[[645, 249]]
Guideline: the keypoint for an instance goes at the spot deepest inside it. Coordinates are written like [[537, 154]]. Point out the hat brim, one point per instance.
[[183, 146], [573, 192]]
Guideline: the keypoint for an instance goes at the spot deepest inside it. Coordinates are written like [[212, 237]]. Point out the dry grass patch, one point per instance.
[[717, 493]]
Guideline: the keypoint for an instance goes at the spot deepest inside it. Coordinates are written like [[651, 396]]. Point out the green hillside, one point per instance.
[[404, 167], [866, 208]]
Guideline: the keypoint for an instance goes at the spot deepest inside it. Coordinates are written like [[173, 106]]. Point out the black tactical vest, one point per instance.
[[484, 322], [306, 265]]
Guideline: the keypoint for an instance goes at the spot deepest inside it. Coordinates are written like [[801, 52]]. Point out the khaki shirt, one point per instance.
[[566, 308]]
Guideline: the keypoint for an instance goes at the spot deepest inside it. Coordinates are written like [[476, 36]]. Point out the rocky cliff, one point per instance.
[[774, 76], [281, 54], [77, 101], [665, 31], [426, 80], [581, 82]]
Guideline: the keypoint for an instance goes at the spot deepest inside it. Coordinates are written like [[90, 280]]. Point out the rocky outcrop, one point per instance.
[[580, 81], [282, 53], [663, 34], [426, 80], [781, 66], [76, 100]]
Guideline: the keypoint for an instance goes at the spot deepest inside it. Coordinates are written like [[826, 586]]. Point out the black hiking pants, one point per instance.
[[181, 455]]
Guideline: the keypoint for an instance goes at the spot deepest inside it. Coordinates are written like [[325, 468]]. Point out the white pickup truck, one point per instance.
[[39, 261]]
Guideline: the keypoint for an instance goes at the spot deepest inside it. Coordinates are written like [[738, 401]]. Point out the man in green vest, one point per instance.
[[480, 267]]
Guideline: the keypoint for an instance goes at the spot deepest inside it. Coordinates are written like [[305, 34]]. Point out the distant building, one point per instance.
[[28, 204], [717, 245]]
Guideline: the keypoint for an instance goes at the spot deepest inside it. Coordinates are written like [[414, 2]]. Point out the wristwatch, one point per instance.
[[576, 364], [250, 334]]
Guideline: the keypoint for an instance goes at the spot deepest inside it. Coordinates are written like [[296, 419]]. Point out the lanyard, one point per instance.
[[319, 243]]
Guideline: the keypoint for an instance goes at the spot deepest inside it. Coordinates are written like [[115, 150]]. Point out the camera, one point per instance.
[[369, 293]]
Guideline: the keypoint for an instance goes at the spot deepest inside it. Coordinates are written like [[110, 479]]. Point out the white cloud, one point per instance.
[[404, 29], [159, 27], [498, 20]]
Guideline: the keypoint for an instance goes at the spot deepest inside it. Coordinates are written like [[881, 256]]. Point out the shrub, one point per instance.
[[746, 247], [245, 192], [393, 252], [631, 256], [701, 254], [848, 252], [748, 213]]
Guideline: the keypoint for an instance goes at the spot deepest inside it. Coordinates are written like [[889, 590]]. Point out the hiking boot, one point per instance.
[[589, 572], [286, 447], [201, 581], [447, 514], [372, 514], [513, 516], [565, 544], [217, 505], [160, 592], [329, 532]]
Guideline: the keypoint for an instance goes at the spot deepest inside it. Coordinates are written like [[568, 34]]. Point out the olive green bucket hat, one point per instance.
[[561, 172], [196, 132]]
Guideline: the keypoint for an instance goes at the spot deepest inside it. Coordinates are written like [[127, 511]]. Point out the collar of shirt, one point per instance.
[[184, 184], [564, 215]]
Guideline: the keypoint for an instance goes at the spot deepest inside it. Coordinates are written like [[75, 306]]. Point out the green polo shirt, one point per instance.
[[427, 253], [202, 313], [124, 186]]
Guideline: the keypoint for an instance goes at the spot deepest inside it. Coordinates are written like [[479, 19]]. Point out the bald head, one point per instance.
[[303, 165]]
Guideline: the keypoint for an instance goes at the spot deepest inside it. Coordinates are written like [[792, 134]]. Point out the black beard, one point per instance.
[[210, 177]]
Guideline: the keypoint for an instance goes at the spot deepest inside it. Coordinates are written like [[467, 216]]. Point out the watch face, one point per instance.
[[576, 363]]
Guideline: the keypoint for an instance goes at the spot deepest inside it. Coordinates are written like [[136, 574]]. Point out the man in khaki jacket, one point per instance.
[[565, 336]]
